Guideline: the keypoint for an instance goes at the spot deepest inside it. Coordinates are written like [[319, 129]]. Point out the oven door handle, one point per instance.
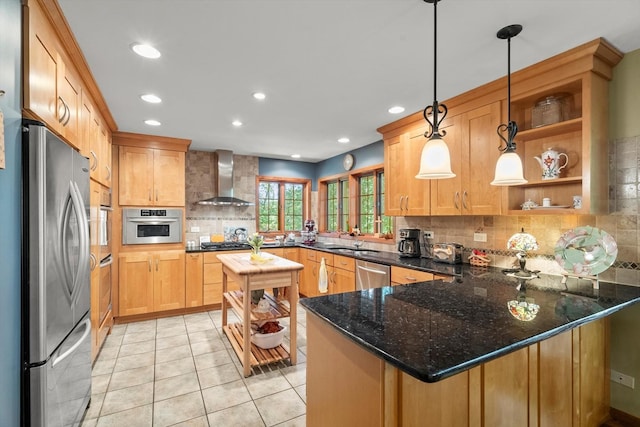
[[152, 221], [106, 262]]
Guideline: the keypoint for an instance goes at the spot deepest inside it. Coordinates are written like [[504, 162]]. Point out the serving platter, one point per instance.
[[586, 250]]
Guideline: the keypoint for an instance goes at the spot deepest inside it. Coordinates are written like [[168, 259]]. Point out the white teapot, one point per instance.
[[550, 163]]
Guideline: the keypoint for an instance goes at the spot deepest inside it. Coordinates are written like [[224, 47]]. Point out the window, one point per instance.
[[338, 205], [282, 204], [366, 208]]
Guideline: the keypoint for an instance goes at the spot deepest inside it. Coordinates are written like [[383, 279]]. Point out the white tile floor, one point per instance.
[[182, 371]]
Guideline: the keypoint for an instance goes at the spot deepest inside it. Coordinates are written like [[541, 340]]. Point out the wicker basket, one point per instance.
[[478, 262]]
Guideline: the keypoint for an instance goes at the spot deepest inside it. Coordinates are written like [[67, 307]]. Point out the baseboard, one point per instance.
[[626, 419]]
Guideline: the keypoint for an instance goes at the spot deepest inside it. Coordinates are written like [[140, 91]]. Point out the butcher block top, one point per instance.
[[241, 264]]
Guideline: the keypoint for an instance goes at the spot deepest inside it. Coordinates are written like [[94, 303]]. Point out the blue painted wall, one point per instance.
[[368, 155], [10, 19]]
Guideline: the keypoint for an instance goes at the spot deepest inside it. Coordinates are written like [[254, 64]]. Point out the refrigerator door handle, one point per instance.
[[63, 248], [84, 243], [60, 357]]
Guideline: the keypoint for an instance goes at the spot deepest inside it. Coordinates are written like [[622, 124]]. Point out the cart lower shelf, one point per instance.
[[259, 356]]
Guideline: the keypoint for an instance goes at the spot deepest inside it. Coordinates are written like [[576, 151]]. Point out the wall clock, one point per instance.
[[347, 162]]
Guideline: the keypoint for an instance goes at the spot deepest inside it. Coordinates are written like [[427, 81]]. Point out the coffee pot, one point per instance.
[[550, 163]]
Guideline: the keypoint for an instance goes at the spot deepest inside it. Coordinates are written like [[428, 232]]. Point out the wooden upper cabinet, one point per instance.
[[150, 177], [580, 78], [473, 145], [405, 194], [168, 176], [52, 87], [151, 169]]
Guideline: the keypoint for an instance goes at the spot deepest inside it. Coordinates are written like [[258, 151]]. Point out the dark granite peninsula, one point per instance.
[[461, 353]]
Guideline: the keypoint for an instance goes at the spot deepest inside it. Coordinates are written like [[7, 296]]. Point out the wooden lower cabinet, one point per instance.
[[403, 276], [212, 278], [151, 281], [342, 277], [194, 285], [561, 381]]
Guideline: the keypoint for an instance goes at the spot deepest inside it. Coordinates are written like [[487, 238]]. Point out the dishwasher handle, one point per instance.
[[372, 270]]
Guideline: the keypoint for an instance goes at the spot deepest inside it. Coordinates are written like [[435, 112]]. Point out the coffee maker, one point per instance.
[[409, 244]]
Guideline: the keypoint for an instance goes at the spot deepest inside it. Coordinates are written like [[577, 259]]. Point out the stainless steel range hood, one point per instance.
[[224, 182]]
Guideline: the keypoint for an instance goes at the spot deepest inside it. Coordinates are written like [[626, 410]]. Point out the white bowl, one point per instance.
[[267, 341]]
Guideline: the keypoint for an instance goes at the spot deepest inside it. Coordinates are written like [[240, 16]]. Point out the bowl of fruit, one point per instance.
[[268, 334], [479, 258]]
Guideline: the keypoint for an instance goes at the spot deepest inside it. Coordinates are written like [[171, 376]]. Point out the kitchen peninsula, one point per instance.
[[452, 354]]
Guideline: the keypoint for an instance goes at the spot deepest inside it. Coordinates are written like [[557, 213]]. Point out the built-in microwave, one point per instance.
[[151, 226]]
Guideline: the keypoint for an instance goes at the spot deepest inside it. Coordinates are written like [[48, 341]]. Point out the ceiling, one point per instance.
[[329, 68]]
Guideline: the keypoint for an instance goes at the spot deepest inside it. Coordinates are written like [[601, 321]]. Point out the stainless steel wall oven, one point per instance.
[[151, 226]]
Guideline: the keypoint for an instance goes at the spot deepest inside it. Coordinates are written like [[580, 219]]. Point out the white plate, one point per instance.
[[552, 207]]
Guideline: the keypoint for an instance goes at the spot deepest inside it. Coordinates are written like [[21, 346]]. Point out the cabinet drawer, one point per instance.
[[344, 262], [318, 255], [406, 275]]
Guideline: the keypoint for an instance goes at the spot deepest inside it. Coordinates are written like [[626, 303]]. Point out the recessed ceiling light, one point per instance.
[[259, 95], [152, 122], [151, 98], [236, 123], [146, 50], [295, 156], [343, 140], [396, 109]]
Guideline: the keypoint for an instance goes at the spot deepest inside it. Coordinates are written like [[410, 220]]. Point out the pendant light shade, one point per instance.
[[435, 161], [509, 170]]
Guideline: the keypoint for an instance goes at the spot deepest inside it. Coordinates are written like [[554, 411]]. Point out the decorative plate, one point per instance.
[[586, 251]]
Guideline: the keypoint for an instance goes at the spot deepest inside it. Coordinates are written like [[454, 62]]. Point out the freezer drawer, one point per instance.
[[61, 388]]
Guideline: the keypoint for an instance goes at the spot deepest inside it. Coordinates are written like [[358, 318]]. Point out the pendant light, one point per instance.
[[435, 161], [509, 169]]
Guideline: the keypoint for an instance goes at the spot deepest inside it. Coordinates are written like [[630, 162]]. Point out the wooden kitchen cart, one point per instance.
[[277, 273]]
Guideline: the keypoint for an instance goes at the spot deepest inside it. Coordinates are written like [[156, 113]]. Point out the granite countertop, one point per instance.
[[433, 330]]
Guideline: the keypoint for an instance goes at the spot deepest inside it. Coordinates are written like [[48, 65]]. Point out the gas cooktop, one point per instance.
[[216, 246]]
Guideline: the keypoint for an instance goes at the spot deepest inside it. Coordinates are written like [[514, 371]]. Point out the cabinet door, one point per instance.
[[446, 194], [418, 191], [479, 157], [193, 280], [212, 283], [94, 148], [94, 202], [136, 176], [168, 289], [135, 283], [309, 278], [168, 178], [342, 281], [292, 254], [69, 95], [393, 176], [105, 156], [41, 70], [84, 127]]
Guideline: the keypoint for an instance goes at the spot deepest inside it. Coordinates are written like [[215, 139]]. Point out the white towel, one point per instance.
[[323, 282]]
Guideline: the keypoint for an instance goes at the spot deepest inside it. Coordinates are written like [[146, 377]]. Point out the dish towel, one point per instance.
[[323, 278]]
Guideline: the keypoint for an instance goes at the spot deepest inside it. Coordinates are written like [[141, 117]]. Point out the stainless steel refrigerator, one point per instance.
[[56, 326]]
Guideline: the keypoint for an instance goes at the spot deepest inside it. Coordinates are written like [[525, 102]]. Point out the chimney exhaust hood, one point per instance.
[[224, 182]]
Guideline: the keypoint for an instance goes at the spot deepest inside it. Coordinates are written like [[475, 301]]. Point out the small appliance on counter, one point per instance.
[[409, 244], [449, 253]]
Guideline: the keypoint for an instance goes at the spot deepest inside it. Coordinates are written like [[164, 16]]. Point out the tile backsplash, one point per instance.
[[200, 184]]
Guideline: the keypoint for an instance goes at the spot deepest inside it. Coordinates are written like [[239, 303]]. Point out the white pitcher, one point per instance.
[[550, 163]]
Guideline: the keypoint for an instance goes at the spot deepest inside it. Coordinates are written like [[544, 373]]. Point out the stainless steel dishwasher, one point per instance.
[[372, 275]]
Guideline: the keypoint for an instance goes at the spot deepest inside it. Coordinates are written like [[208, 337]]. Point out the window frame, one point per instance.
[[306, 201], [354, 197]]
